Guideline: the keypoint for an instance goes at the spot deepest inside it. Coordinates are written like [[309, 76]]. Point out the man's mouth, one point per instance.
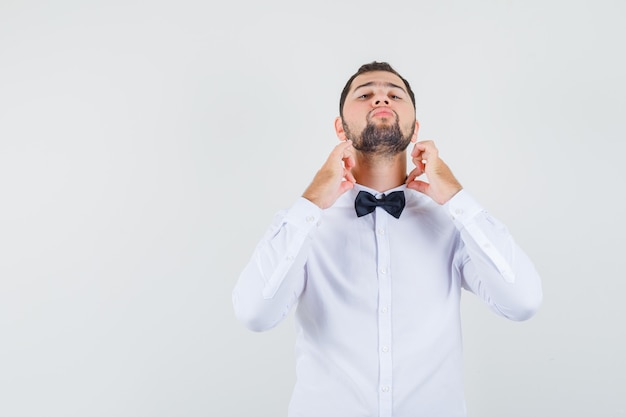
[[383, 113]]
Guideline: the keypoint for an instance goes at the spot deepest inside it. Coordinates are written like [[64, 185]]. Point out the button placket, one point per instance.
[[384, 318]]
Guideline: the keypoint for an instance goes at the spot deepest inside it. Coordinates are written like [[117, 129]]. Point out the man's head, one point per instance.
[[371, 67], [377, 111]]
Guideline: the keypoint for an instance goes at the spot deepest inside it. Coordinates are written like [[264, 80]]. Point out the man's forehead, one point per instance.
[[377, 78]]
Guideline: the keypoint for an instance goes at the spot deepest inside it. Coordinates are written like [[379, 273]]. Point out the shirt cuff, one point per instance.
[[462, 208]]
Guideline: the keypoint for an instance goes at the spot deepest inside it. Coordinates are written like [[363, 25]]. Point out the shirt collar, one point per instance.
[[359, 187]]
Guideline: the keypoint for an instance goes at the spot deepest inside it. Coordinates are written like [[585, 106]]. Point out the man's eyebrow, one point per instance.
[[379, 84]]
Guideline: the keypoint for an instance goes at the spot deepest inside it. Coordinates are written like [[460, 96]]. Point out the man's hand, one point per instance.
[[334, 177], [441, 185]]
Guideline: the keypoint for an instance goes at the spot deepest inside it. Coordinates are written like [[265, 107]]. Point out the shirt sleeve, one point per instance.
[[274, 278], [492, 265]]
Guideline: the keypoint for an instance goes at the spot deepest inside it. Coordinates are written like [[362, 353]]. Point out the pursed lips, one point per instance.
[[382, 113]]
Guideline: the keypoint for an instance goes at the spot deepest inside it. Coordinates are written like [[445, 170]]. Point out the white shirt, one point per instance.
[[378, 300]]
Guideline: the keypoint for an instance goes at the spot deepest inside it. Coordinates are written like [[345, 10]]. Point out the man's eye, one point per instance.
[[364, 96], [395, 97]]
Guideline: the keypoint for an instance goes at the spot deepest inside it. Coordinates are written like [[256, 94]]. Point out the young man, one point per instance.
[[375, 261]]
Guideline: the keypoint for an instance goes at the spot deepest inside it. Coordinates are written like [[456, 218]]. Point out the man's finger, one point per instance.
[[348, 161], [341, 148], [421, 186], [417, 149], [349, 177], [414, 174]]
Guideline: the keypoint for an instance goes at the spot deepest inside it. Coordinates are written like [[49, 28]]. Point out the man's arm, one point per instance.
[[274, 278], [492, 265]]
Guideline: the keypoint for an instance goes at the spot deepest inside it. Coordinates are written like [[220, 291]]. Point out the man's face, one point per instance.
[[378, 115]]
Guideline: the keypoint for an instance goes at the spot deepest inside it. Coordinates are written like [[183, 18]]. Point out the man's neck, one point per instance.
[[380, 173]]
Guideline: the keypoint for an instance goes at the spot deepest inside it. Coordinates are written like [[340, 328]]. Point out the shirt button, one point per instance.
[[290, 258], [385, 349], [381, 231], [383, 271], [384, 310], [385, 388], [458, 212], [310, 219]]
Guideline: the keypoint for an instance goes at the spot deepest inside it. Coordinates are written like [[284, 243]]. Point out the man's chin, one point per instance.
[[383, 121], [384, 128]]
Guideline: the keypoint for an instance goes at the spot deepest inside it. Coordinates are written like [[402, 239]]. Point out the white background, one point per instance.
[[145, 146]]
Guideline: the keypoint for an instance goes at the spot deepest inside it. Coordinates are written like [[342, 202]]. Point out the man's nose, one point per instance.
[[381, 100]]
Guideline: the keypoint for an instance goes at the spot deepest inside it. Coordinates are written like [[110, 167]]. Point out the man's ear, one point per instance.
[[417, 127], [341, 134]]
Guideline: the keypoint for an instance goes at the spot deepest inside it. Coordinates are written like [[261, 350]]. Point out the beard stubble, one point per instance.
[[385, 140]]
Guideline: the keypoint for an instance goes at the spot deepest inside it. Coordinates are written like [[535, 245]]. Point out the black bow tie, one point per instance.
[[366, 203]]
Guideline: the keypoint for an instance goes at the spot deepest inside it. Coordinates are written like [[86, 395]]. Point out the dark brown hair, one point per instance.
[[373, 66]]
